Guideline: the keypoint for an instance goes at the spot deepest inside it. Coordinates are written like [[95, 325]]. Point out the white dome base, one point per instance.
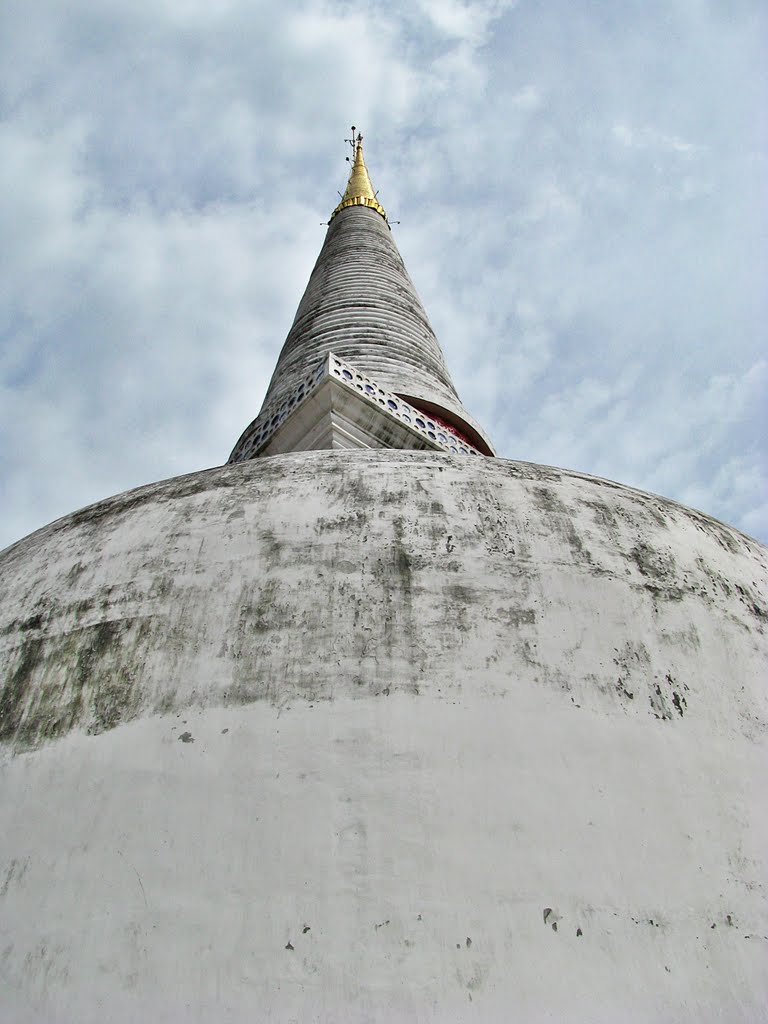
[[383, 736]]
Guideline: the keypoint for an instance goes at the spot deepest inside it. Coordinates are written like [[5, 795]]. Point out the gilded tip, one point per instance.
[[359, 191]]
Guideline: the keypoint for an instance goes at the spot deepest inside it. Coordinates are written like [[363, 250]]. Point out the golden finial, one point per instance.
[[359, 191]]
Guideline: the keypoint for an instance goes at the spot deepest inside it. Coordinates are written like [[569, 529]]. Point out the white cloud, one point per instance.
[[649, 138], [469, 21], [527, 98]]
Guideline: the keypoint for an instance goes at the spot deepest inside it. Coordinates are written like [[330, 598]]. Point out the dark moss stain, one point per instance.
[[560, 518], [668, 692], [345, 523], [493, 526], [166, 703], [13, 699], [667, 697], [715, 583], [14, 875], [129, 502], [86, 677], [631, 657], [161, 587], [547, 501], [85, 606], [665, 593], [653, 564], [33, 622], [110, 682], [688, 639], [42, 613], [459, 599], [462, 594], [722, 534], [518, 617], [75, 572], [658, 704], [261, 612], [271, 549], [747, 598], [353, 490], [397, 498], [385, 590], [529, 654], [402, 561], [397, 579], [603, 516], [568, 531], [656, 512], [622, 690], [664, 582]]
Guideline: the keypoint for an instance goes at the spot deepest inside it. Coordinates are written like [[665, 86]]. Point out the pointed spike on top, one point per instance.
[[359, 190]]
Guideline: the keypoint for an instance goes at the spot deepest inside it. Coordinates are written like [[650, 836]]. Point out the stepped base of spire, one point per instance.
[[336, 406]]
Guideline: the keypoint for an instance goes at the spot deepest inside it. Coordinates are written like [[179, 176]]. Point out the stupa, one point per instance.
[[370, 724]]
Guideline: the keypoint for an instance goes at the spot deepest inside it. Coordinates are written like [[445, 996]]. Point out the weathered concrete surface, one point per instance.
[[364, 728]]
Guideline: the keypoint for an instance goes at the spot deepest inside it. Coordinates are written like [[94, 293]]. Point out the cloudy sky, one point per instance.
[[580, 186]]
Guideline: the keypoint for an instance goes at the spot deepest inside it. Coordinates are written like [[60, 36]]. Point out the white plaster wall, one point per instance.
[[402, 682]]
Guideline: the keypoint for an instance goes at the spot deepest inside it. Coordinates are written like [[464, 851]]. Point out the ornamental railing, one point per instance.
[[258, 435]]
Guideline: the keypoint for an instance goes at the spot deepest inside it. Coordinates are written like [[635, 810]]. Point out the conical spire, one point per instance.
[[360, 307]]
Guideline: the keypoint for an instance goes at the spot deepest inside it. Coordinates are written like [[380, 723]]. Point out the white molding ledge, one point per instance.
[[336, 406]]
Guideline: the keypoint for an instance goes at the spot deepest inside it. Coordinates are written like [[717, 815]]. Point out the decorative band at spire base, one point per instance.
[[359, 201]]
